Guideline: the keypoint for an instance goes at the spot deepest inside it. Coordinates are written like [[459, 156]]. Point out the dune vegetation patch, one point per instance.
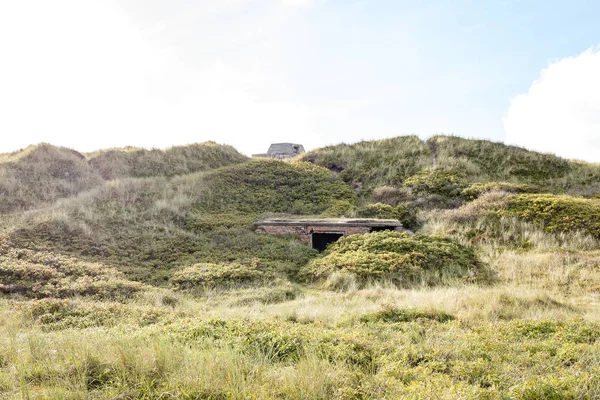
[[475, 190], [41, 275], [209, 275], [435, 181], [42, 174], [149, 280], [369, 164], [275, 186], [526, 221], [402, 212], [178, 160], [56, 314], [391, 314], [398, 257], [279, 341], [484, 160], [557, 213]]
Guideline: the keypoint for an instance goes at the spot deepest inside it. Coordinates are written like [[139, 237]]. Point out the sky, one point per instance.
[[90, 74]]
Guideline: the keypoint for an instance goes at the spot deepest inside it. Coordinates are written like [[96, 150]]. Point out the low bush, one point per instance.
[[219, 275], [273, 186], [276, 291], [40, 275], [476, 189], [557, 213], [402, 212], [398, 257], [390, 314], [202, 221], [436, 181], [58, 314]]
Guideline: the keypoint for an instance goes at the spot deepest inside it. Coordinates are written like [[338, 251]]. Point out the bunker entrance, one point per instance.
[[321, 240]]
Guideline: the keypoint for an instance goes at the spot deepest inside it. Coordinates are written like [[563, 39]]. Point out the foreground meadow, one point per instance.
[[532, 335], [138, 274]]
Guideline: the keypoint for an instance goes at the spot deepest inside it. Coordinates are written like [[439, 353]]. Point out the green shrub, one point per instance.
[[390, 314], [217, 275], [435, 181], [396, 256], [41, 275], [273, 186], [340, 208], [476, 189], [202, 221], [58, 314], [557, 213], [402, 212]]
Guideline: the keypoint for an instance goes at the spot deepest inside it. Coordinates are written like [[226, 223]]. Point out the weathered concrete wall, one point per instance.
[[304, 232]]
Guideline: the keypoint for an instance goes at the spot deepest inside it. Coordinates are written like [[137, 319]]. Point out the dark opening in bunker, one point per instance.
[[321, 240]]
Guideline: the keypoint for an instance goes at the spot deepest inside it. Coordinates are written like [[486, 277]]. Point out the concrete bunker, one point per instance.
[[319, 233], [282, 151]]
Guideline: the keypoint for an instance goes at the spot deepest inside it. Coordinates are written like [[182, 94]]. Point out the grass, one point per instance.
[[147, 227], [154, 284], [367, 165], [457, 342], [178, 160], [370, 165], [42, 174]]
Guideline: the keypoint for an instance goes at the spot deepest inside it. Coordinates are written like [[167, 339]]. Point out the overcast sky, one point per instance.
[[92, 74]]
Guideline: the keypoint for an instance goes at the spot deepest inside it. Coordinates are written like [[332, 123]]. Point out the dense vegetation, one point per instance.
[[558, 213], [367, 165], [136, 273], [395, 162], [44, 173], [273, 186], [397, 257]]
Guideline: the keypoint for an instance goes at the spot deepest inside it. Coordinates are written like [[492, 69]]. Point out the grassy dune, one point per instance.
[[42, 174], [150, 282]]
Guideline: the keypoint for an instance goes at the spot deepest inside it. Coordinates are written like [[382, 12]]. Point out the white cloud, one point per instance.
[[88, 74], [561, 112]]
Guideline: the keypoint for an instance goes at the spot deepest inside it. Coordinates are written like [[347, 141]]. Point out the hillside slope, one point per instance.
[[178, 160], [42, 174], [148, 226], [138, 274], [389, 162]]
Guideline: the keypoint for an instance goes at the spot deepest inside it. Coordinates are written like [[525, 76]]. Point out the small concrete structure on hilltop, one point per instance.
[[282, 150], [318, 233]]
